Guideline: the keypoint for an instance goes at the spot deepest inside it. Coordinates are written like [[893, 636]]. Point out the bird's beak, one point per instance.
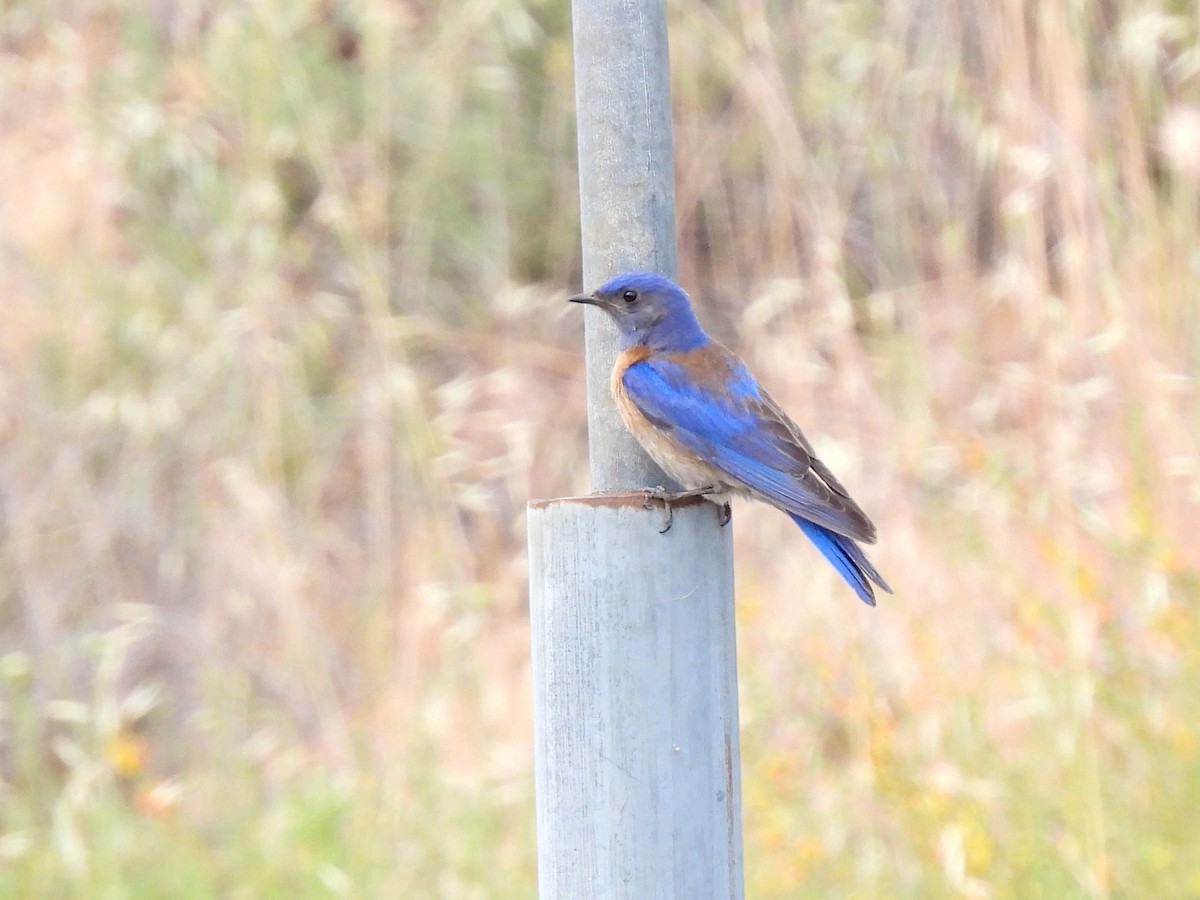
[[590, 299]]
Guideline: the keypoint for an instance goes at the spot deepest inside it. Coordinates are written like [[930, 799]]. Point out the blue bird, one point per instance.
[[703, 418]]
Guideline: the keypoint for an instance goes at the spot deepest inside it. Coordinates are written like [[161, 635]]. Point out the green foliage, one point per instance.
[[283, 360]]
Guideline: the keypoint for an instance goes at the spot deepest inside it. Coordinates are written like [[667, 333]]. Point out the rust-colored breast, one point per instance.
[[632, 416], [676, 460]]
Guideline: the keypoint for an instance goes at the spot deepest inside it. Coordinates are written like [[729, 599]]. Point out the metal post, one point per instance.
[[635, 701], [626, 196], [634, 657]]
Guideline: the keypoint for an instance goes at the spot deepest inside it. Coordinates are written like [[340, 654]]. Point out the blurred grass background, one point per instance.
[[285, 353]]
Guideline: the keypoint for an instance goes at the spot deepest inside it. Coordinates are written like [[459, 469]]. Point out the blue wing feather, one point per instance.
[[741, 431]]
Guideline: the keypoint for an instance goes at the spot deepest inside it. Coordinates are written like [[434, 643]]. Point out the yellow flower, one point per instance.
[[126, 753]]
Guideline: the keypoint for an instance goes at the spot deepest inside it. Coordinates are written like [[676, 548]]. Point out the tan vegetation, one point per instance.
[[284, 353]]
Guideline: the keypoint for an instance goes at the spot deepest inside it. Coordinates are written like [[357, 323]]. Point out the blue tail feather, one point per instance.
[[847, 557]]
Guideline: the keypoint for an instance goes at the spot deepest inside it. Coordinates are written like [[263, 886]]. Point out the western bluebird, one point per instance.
[[702, 417]]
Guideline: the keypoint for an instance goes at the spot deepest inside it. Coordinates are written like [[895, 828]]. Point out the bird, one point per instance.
[[702, 417]]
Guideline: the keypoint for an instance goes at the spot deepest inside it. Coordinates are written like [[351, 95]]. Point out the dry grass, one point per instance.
[[283, 358]]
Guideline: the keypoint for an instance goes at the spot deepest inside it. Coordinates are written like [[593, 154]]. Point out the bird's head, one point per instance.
[[648, 309]]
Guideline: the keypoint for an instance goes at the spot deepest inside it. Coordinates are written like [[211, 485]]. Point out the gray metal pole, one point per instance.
[[635, 701], [634, 659], [626, 196]]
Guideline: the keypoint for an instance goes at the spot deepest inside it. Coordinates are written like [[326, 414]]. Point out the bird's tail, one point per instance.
[[847, 557]]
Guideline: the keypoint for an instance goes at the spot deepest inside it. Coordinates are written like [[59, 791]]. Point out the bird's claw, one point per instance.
[[666, 498], [663, 496]]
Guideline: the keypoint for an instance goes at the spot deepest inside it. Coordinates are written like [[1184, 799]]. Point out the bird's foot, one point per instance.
[[667, 498], [724, 515], [663, 496]]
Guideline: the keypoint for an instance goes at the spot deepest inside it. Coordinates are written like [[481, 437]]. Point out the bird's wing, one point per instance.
[[710, 403]]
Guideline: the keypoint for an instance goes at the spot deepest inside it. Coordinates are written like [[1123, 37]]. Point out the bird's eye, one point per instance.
[[629, 296]]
